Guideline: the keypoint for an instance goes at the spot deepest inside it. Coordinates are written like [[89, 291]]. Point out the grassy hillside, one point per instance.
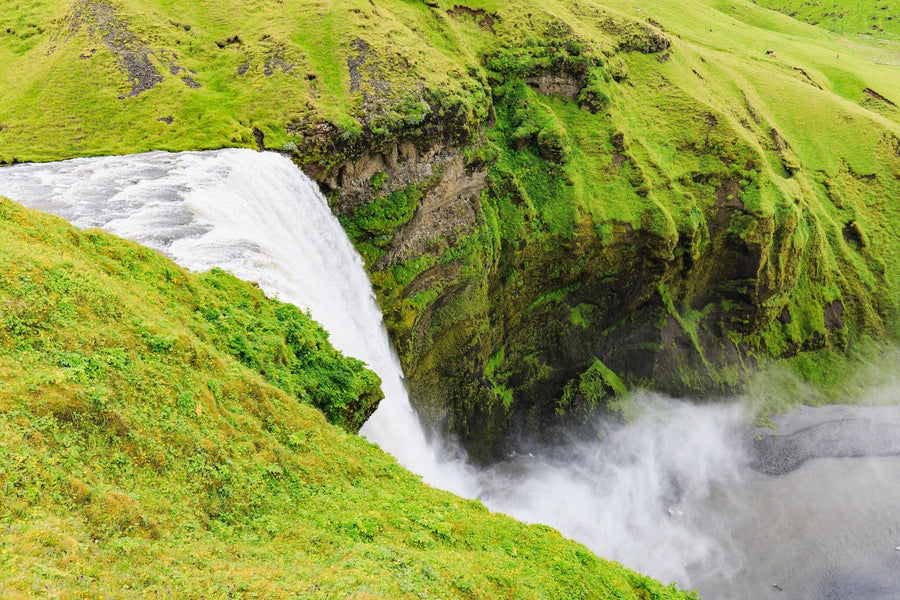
[[557, 200], [141, 455], [164, 75], [174, 76], [872, 19]]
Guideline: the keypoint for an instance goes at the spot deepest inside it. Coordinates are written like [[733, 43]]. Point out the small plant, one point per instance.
[[377, 181]]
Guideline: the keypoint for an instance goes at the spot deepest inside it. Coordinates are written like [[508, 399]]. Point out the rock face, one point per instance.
[[563, 85], [519, 299]]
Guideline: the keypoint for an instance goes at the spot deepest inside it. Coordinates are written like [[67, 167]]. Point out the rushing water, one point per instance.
[[682, 493], [258, 217]]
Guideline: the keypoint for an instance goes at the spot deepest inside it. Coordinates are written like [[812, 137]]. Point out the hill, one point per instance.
[[142, 452], [871, 19]]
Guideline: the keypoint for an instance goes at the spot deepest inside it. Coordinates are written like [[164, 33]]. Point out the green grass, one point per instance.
[[141, 454], [868, 19], [168, 416], [308, 81]]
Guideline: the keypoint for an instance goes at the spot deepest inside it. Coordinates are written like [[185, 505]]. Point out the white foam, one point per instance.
[[260, 218]]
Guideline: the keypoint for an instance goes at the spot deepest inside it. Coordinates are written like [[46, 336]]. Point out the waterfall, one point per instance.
[[260, 218], [672, 494]]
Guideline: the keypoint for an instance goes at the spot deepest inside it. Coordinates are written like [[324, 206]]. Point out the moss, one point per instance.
[[592, 392], [371, 226]]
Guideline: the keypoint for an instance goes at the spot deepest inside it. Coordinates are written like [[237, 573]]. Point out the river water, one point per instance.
[[684, 493]]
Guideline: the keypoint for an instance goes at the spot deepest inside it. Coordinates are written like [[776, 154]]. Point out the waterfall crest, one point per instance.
[[261, 219]]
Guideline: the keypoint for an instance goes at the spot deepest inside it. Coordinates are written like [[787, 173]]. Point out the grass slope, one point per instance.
[[142, 455], [173, 76], [871, 19]]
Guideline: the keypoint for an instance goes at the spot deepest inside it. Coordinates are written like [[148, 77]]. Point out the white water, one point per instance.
[[670, 495], [258, 217]]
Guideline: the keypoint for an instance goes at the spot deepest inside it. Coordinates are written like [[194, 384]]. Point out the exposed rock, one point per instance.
[[99, 18], [854, 234], [809, 79], [260, 139], [486, 20], [447, 211], [789, 160], [230, 41], [785, 317], [563, 85], [404, 164], [834, 314], [873, 94], [364, 67], [276, 62]]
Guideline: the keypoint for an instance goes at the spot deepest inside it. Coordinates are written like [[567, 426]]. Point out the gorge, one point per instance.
[[672, 493]]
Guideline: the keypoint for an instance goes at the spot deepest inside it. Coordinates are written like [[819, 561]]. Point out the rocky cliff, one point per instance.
[[604, 227]]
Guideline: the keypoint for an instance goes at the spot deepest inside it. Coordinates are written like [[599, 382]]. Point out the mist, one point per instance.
[[631, 493], [697, 495]]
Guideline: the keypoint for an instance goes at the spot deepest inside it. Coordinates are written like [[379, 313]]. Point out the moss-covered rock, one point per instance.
[[674, 255]]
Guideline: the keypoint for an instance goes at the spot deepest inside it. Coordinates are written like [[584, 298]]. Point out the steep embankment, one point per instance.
[[556, 200], [156, 439]]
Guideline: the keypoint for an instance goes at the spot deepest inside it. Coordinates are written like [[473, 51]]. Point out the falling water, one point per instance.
[[675, 494], [258, 217]]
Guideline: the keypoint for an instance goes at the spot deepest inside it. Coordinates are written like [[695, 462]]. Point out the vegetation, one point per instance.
[[660, 200], [169, 76], [873, 19], [707, 184], [556, 200], [147, 447]]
